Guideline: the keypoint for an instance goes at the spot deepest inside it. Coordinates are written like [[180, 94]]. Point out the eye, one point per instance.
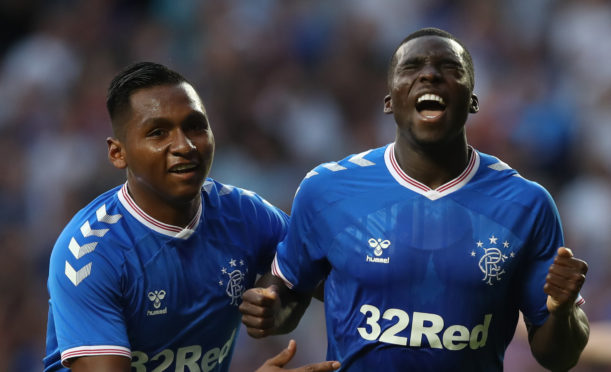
[[409, 66], [156, 132], [196, 124], [452, 66]]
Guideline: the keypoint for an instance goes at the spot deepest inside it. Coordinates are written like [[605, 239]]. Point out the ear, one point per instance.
[[116, 155], [387, 104], [474, 107]]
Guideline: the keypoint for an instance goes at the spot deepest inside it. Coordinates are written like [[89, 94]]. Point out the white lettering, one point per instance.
[[157, 312], [209, 359], [390, 335], [372, 321], [454, 337], [419, 329], [480, 330], [377, 259], [167, 357], [226, 347], [187, 357]]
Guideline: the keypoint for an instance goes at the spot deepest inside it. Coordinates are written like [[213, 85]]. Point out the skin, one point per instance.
[[432, 148], [166, 127]]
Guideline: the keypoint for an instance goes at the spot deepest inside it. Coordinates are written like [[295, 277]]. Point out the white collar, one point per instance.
[[153, 224], [447, 188]]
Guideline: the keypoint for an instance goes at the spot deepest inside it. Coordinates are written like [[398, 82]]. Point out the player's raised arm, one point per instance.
[[558, 343], [271, 308], [276, 363]]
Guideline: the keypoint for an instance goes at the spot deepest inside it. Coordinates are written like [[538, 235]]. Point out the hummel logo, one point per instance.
[[378, 246], [155, 297]]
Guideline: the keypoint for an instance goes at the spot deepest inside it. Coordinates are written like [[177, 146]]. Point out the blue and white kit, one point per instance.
[[123, 283], [416, 278]]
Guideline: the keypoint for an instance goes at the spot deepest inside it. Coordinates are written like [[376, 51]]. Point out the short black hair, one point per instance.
[[432, 31], [136, 76]]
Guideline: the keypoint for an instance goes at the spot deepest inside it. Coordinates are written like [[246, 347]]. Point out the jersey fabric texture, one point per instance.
[[123, 283], [420, 279]]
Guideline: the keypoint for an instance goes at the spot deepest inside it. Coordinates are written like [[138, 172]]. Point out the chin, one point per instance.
[[186, 194]]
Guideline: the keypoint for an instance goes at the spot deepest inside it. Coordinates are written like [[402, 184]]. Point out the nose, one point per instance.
[[182, 144], [429, 72]]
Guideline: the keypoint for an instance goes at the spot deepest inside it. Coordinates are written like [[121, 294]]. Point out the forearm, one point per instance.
[[558, 343], [292, 304]]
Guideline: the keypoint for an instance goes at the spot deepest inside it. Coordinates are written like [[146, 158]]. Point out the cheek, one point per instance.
[[206, 146]]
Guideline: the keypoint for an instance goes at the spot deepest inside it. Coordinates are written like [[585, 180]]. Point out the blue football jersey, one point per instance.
[[420, 279], [123, 283]]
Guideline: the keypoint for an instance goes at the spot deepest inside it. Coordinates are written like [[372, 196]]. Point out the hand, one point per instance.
[[276, 363], [563, 282], [260, 308]]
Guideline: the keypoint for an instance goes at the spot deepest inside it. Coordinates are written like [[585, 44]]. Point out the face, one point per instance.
[[430, 91], [168, 145]]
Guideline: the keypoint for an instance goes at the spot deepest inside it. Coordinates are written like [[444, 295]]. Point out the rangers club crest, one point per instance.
[[233, 280], [492, 259]]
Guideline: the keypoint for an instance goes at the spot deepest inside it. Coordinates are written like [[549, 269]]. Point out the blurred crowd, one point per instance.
[[287, 85]]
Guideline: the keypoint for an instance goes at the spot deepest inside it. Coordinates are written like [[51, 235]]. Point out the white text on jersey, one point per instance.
[[431, 326]]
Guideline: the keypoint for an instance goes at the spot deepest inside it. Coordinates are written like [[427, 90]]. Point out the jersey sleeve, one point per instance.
[[85, 299], [546, 238], [301, 258], [271, 227]]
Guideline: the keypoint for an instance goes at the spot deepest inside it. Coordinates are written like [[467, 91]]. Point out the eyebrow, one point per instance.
[[163, 121]]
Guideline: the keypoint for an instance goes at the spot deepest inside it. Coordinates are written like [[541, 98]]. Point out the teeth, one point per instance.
[[183, 167], [431, 97]]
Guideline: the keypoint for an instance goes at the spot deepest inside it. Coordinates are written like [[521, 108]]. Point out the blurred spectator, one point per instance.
[[290, 84]]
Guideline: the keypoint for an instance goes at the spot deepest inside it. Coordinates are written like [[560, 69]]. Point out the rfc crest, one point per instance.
[[492, 259], [232, 279]]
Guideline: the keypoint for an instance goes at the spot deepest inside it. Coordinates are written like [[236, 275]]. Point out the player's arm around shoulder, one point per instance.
[[559, 341]]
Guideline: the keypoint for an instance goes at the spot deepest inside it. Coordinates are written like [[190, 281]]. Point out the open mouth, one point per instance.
[[430, 105], [183, 168]]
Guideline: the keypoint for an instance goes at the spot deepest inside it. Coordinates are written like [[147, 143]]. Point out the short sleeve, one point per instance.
[[546, 238], [85, 300], [300, 259], [271, 225]]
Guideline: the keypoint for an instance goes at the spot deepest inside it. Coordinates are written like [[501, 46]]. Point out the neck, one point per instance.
[[432, 165], [172, 212]]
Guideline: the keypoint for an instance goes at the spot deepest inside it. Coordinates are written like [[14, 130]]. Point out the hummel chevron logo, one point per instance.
[[87, 231], [358, 159], [226, 190], [499, 166], [333, 166], [77, 276], [80, 250], [105, 217], [208, 186], [247, 192], [310, 174]]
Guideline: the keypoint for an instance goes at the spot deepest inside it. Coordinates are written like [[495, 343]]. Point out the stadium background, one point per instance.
[[287, 85]]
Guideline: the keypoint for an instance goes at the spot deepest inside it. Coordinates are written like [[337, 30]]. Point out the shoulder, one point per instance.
[[506, 182], [337, 174], [93, 234], [229, 199]]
